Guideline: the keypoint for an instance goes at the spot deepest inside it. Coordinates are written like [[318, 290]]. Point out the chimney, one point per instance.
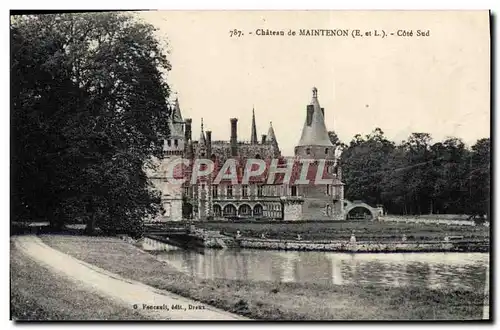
[[310, 110], [187, 131], [234, 137], [209, 142], [264, 136]]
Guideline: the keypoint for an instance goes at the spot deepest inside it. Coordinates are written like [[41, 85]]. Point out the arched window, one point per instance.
[[257, 210], [244, 210], [229, 210], [217, 210]]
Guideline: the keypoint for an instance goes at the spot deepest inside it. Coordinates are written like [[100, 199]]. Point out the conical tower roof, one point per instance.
[[202, 141], [270, 134], [175, 121], [253, 138], [314, 132]]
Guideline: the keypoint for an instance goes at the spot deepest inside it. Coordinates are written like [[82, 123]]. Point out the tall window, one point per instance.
[[176, 143], [259, 191], [186, 191], [229, 191], [328, 190], [169, 143], [244, 191], [294, 191], [214, 191]]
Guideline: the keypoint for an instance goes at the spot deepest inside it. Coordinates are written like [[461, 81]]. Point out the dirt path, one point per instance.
[[127, 292]]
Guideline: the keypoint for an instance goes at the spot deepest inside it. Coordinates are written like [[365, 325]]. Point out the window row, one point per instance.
[[176, 143]]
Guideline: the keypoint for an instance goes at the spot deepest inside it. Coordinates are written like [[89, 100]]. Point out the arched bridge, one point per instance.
[[349, 206]]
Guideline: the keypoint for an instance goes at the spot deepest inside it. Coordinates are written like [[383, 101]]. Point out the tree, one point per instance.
[[89, 113], [363, 165], [479, 177], [449, 176], [335, 139]]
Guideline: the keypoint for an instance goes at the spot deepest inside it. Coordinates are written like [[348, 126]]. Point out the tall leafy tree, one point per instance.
[[363, 166], [479, 178], [89, 112]]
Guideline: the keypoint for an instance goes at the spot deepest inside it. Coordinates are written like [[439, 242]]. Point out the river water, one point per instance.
[[432, 270]]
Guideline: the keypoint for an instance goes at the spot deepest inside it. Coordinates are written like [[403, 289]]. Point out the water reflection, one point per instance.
[[433, 270]]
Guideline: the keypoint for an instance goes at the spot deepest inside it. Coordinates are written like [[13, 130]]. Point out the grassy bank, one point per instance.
[[272, 300], [38, 294], [342, 230]]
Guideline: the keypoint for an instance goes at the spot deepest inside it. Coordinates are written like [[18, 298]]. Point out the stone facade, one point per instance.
[[257, 199]]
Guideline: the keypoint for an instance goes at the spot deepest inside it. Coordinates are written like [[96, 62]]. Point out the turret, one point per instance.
[[271, 139], [253, 138], [174, 144], [270, 133], [202, 143]]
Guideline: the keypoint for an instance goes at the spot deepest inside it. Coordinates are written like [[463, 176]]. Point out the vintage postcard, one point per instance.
[[250, 165]]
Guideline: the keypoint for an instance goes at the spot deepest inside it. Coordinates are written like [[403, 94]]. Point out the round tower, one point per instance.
[[321, 201], [314, 141]]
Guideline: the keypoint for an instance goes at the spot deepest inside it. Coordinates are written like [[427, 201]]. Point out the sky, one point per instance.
[[439, 84]]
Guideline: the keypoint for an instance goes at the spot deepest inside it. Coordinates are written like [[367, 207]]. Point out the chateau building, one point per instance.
[[259, 199]]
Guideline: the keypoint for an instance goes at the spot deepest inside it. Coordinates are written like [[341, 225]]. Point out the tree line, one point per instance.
[[88, 112], [417, 176]]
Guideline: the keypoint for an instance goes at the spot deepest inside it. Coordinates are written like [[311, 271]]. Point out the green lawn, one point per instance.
[[364, 231], [272, 300], [39, 294]]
